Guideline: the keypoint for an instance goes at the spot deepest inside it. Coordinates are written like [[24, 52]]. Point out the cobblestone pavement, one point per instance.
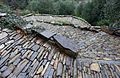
[[33, 57]]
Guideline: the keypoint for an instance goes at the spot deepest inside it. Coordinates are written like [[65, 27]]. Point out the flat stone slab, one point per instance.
[[28, 26], [35, 47], [25, 28], [95, 67], [3, 35], [67, 44], [3, 14], [9, 42], [45, 33], [2, 46]]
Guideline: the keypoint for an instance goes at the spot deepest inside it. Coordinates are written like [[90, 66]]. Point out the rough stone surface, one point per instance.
[[2, 46], [99, 55], [3, 35], [47, 34], [66, 43], [35, 47], [9, 42], [95, 67]]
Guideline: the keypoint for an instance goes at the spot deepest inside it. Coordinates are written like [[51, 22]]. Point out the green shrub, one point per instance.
[[62, 7], [66, 7], [5, 8], [87, 12], [103, 22], [17, 4], [78, 9], [11, 20], [33, 5], [41, 6], [112, 10], [93, 11]]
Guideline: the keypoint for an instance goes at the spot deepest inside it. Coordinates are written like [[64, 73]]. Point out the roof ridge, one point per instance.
[[67, 45]]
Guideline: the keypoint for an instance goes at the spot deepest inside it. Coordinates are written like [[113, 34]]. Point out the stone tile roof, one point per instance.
[[32, 57], [67, 45]]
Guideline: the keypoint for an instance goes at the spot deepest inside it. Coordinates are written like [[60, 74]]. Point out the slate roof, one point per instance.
[[67, 45], [33, 56], [28, 56]]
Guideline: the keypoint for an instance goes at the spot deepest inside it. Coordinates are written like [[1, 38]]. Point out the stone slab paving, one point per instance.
[[31, 57]]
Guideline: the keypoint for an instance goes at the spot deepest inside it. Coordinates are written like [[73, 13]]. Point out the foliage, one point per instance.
[[101, 12], [96, 12], [112, 10], [66, 7], [5, 8], [78, 9], [103, 22], [17, 4], [87, 12], [41, 6], [62, 7], [11, 20], [93, 11]]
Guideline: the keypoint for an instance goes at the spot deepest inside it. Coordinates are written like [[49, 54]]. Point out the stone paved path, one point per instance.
[[33, 57]]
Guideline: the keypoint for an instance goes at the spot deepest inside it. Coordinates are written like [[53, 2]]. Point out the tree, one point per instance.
[[17, 4], [66, 7], [78, 9], [87, 12], [93, 11], [41, 6], [112, 10], [5, 8]]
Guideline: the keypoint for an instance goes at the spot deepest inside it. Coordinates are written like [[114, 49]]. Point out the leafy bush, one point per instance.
[[78, 9], [5, 8], [33, 5], [62, 7], [17, 4], [103, 22], [87, 12], [93, 11], [41, 6], [112, 10], [66, 7], [101, 12], [96, 12], [11, 20]]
